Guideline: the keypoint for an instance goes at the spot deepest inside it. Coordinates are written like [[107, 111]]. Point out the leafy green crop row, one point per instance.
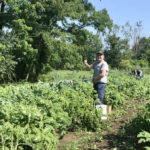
[[36, 115], [122, 87], [33, 114]]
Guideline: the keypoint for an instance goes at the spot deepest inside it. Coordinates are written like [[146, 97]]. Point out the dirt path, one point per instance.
[[111, 139], [68, 138]]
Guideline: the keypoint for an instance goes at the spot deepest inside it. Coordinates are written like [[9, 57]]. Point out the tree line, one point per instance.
[[37, 36]]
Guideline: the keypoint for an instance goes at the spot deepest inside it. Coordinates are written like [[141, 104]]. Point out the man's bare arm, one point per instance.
[[86, 64], [99, 76]]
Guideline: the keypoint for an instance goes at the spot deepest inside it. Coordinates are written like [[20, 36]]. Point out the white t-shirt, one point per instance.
[[98, 67]]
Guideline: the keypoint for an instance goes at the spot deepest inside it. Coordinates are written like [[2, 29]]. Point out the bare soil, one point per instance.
[[111, 135], [68, 138]]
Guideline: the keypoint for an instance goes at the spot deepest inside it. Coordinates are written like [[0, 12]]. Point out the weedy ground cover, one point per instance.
[[132, 92], [33, 115]]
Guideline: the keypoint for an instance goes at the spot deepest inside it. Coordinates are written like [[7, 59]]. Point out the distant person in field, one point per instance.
[[100, 75], [134, 73], [137, 73]]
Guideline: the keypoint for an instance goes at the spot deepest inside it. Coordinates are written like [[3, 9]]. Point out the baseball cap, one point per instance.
[[100, 52]]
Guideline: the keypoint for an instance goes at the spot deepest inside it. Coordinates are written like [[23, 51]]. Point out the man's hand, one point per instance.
[[85, 61], [94, 80], [86, 64], [99, 76]]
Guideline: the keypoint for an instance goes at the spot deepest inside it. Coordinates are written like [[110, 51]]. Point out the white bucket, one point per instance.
[[105, 110]]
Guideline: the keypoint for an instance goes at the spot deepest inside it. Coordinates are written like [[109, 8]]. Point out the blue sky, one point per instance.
[[122, 11]]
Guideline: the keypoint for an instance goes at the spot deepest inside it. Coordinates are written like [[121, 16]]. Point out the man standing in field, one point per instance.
[[100, 75]]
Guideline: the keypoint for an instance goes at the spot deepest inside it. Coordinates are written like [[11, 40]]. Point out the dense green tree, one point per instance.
[[125, 64], [144, 45], [147, 55], [115, 50], [2, 7], [7, 61], [51, 33], [142, 55]]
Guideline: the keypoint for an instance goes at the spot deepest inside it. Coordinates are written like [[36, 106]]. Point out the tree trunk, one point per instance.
[[28, 74], [2, 7]]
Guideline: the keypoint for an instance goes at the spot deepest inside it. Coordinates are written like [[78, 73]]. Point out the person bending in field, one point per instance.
[[100, 75], [137, 73], [134, 73]]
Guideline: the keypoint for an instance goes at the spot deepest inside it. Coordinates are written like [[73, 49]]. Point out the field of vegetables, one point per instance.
[[32, 115]]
